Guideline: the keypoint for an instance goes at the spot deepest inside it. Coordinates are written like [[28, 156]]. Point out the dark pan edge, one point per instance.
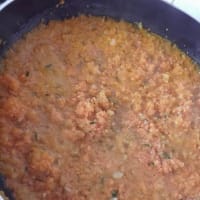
[[178, 28]]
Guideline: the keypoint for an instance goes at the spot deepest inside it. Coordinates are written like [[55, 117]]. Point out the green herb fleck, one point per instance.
[[36, 136], [27, 73], [25, 169], [115, 193], [92, 122], [147, 145], [151, 164], [102, 180], [117, 78], [166, 155], [48, 65]]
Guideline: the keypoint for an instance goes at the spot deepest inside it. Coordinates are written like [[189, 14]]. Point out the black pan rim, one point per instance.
[[161, 18]]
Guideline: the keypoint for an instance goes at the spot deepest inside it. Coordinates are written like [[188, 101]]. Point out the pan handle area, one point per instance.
[[4, 189], [3, 5]]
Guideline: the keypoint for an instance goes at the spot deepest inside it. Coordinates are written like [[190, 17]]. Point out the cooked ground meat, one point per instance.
[[94, 109]]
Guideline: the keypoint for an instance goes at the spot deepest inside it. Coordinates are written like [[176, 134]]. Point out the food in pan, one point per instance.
[[91, 108]]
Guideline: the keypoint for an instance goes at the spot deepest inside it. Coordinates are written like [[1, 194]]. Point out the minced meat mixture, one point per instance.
[[94, 109]]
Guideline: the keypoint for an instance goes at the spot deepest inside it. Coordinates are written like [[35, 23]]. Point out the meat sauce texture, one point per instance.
[[94, 109]]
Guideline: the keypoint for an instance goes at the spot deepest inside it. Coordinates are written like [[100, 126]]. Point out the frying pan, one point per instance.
[[22, 15]]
